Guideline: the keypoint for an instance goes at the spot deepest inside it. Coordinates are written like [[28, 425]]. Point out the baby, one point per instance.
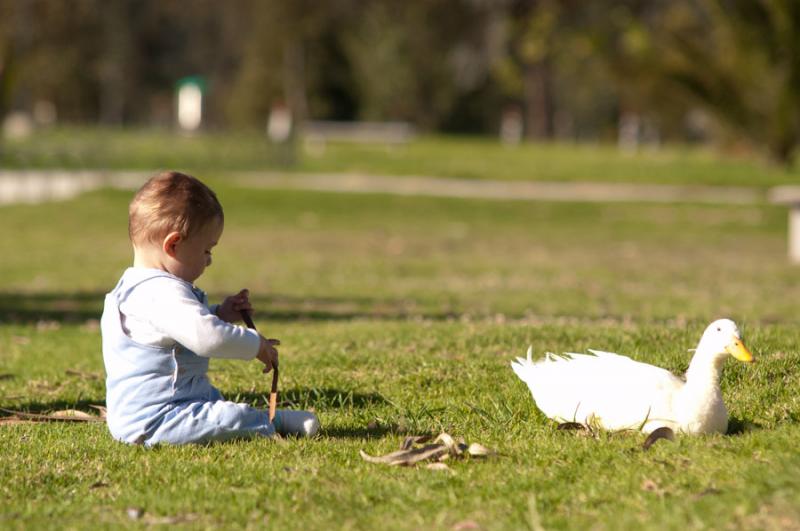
[[159, 331]]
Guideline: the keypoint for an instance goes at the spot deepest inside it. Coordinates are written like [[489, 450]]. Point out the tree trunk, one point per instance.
[[5, 86], [539, 105], [294, 81], [118, 44]]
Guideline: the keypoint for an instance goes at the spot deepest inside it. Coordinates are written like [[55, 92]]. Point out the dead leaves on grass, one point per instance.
[[64, 415], [416, 449], [46, 387]]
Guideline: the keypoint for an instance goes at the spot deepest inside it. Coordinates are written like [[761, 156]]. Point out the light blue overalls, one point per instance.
[[162, 394]]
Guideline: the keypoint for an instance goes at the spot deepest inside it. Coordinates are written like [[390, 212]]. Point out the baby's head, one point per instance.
[[173, 222]]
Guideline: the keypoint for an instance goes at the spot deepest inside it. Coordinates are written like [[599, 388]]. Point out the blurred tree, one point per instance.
[[555, 70], [738, 60], [6, 56], [534, 42], [282, 59], [53, 42], [203, 38], [115, 62], [414, 61], [370, 60], [573, 67]]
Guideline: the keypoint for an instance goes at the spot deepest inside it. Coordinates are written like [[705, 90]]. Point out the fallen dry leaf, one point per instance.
[[65, 415], [72, 414], [438, 466], [410, 441], [443, 447], [408, 457], [479, 450]]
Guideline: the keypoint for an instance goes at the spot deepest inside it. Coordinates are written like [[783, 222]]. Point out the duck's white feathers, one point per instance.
[[616, 393], [602, 389]]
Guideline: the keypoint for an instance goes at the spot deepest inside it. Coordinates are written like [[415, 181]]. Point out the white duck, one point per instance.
[[614, 392]]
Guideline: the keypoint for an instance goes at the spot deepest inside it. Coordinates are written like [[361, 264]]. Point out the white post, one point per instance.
[[794, 233], [190, 107], [790, 196]]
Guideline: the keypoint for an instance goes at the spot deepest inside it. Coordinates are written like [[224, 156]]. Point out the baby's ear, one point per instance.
[[170, 242]]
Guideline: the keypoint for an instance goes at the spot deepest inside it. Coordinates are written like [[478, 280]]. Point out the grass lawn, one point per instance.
[[398, 316], [458, 157]]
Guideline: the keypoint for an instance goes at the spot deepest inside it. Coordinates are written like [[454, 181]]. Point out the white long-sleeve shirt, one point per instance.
[[166, 310]]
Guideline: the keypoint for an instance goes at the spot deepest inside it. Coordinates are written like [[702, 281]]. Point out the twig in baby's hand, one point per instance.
[[273, 395], [248, 320]]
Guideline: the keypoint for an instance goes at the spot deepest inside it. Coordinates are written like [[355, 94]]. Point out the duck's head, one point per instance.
[[721, 339]]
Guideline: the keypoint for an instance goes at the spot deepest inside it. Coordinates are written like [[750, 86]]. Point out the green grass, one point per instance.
[[399, 315], [456, 157]]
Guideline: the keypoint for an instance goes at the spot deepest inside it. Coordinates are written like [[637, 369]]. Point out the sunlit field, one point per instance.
[[399, 316]]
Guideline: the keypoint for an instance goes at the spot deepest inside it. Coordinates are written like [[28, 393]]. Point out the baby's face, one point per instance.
[[193, 254]]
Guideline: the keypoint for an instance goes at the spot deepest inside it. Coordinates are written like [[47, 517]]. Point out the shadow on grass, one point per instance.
[[26, 308], [317, 398], [737, 426], [367, 432], [296, 398], [79, 307]]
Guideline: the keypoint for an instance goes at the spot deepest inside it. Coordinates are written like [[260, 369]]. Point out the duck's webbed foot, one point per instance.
[[659, 433]]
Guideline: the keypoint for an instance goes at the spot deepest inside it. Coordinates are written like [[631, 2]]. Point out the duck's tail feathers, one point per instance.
[[523, 366]]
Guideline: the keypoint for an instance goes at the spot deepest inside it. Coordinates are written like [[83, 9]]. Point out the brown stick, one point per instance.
[[273, 395]]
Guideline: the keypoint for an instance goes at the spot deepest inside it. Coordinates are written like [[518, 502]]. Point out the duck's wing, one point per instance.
[[600, 388]]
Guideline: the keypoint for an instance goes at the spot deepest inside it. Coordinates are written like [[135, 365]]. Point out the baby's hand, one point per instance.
[[267, 353], [232, 307]]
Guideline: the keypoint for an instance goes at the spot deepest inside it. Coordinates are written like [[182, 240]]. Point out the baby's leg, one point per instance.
[[219, 420]]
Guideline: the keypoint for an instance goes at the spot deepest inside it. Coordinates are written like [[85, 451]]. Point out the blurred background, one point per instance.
[[512, 157], [724, 73]]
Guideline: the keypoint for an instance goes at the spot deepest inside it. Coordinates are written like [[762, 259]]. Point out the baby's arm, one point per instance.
[[231, 311], [176, 312]]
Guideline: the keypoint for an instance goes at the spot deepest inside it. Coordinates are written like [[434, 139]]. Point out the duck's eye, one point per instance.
[[719, 329]]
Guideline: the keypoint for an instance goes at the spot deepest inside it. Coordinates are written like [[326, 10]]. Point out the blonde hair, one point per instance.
[[171, 202]]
